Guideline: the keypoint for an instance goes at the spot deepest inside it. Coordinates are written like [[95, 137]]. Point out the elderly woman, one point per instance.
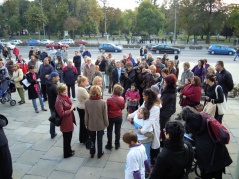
[[89, 69], [82, 95], [191, 94], [97, 73], [17, 77], [115, 105], [34, 91], [99, 81], [64, 109], [212, 158], [96, 119], [168, 98]]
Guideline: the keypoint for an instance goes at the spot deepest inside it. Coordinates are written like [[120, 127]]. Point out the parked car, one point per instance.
[[46, 41], [80, 42], [56, 45], [10, 45], [109, 47], [165, 49], [151, 45], [67, 41], [221, 49], [15, 42], [33, 42]]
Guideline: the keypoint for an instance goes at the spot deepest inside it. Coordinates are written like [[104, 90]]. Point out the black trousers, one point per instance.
[[216, 174], [99, 141], [43, 90], [67, 136], [5, 162], [83, 135], [162, 122], [117, 122], [72, 88], [153, 155], [78, 70]]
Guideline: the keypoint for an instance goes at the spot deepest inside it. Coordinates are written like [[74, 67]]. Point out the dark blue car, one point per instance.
[[221, 49], [33, 42], [109, 47]]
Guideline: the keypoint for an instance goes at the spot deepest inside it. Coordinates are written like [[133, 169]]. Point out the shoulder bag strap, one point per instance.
[[116, 102]]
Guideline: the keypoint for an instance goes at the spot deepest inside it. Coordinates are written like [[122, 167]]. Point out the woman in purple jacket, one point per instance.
[[199, 70]]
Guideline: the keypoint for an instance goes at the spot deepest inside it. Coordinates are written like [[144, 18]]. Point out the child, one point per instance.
[[132, 96], [146, 139], [136, 160]]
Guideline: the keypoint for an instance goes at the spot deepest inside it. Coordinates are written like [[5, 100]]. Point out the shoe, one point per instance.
[[92, 155], [36, 111], [53, 136], [100, 155], [70, 155], [43, 109], [117, 147], [108, 147], [74, 99], [73, 152], [21, 102]]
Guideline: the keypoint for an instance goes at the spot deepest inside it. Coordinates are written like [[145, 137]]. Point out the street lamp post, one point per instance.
[[175, 22], [43, 25], [104, 2]]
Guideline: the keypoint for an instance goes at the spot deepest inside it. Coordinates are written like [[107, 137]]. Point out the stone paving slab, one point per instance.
[[36, 156]]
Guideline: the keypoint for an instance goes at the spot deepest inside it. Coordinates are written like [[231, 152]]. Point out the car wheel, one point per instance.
[[230, 53], [212, 52], [116, 50], [157, 51], [175, 52]]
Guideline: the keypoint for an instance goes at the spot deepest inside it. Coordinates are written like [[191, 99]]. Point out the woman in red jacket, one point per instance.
[[191, 94], [64, 109], [115, 105]]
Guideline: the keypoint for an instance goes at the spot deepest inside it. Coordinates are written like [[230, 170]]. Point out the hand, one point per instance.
[[139, 130], [184, 97], [72, 107], [129, 119], [38, 80], [143, 70], [207, 98], [46, 76], [86, 127], [126, 75], [12, 78]]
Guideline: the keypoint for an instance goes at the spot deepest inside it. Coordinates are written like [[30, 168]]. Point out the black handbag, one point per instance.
[[89, 143], [55, 119]]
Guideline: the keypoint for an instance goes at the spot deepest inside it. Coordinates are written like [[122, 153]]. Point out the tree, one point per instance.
[[154, 2], [129, 21], [71, 24], [149, 19], [232, 21], [14, 23]]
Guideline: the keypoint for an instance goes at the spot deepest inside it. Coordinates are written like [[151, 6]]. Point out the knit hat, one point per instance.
[[155, 88]]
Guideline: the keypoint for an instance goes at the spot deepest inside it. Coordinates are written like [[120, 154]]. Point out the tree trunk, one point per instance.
[[208, 38]]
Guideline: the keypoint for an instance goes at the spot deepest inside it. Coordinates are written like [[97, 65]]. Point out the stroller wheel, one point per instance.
[[3, 101], [12, 102]]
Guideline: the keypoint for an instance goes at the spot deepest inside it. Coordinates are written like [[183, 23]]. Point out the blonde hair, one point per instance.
[[81, 79], [2, 63], [95, 91], [150, 55], [96, 79], [97, 67], [211, 68], [16, 65], [118, 90], [61, 87], [152, 68]]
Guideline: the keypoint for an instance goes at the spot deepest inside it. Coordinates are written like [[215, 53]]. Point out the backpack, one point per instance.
[[217, 132]]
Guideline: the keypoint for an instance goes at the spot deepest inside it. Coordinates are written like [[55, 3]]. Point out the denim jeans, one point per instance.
[[52, 126], [237, 55], [35, 103], [147, 149]]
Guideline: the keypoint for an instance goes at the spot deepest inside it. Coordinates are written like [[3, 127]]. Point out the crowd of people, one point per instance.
[[146, 87]]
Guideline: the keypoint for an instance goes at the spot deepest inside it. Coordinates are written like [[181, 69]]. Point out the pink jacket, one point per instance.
[[133, 95]]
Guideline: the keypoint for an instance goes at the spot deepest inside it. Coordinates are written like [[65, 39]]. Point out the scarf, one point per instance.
[[34, 76], [66, 98], [95, 98]]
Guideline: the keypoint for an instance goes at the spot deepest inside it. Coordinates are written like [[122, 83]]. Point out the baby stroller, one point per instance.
[[195, 167], [6, 88]]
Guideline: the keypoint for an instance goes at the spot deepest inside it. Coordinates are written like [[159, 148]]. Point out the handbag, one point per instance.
[[210, 109], [221, 106], [55, 119], [89, 143]]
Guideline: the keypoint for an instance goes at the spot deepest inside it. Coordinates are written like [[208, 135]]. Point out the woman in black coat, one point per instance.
[[212, 157], [211, 94], [168, 98], [34, 90]]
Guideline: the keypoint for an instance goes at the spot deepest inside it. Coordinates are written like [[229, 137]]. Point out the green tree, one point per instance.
[[71, 24], [232, 20], [129, 21], [14, 23], [149, 18]]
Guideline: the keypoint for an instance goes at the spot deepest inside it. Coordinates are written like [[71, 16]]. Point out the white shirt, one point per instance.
[[135, 161], [141, 123], [153, 122]]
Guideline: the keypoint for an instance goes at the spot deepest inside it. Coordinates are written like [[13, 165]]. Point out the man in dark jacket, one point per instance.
[[86, 53], [51, 85], [175, 156], [5, 155], [224, 78], [70, 75], [116, 73], [44, 72], [30, 52], [77, 62], [43, 55]]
